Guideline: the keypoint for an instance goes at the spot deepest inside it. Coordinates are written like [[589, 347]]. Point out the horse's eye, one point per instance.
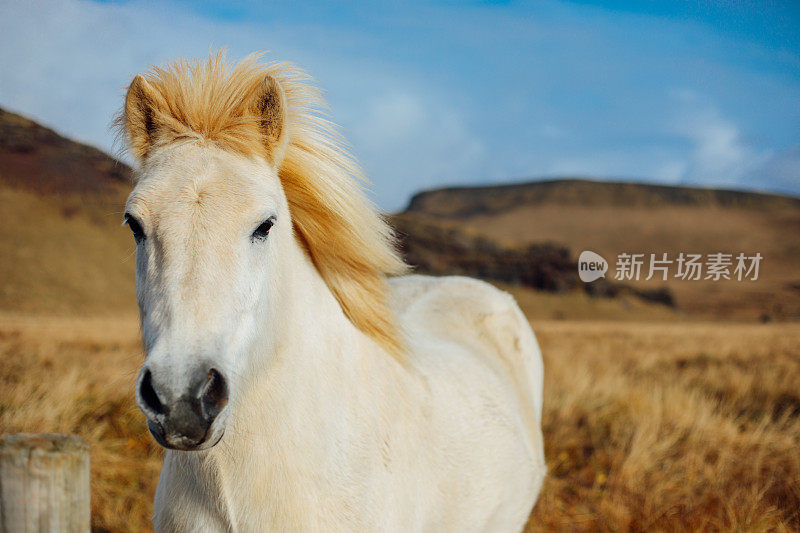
[[262, 230], [136, 228]]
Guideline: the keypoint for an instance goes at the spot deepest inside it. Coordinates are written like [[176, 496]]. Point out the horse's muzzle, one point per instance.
[[183, 422]]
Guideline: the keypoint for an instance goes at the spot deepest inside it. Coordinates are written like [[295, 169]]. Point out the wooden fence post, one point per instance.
[[44, 483]]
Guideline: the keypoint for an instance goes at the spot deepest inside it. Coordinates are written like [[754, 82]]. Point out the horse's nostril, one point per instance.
[[214, 395], [149, 396]]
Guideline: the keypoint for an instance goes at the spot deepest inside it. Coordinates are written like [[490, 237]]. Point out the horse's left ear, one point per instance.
[[271, 109]]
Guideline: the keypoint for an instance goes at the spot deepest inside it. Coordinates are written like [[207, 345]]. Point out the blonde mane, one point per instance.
[[349, 243]]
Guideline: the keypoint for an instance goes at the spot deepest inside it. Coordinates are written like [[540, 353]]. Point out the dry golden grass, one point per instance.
[[670, 427], [659, 426], [76, 375]]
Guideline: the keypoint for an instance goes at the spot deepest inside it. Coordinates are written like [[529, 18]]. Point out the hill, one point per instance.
[[62, 249], [615, 218]]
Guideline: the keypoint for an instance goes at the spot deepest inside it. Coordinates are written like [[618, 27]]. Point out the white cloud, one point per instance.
[[719, 155], [417, 143], [714, 153], [67, 63], [425, 102]]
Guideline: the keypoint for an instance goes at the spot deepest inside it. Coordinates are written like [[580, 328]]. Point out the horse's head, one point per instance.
[[209, 224], [226, 152]]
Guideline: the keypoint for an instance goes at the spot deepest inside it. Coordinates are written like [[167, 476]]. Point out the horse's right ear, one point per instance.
[[269, 106], [142, 104]]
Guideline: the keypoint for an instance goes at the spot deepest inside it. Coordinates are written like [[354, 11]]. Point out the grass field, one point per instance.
[[648, 426]]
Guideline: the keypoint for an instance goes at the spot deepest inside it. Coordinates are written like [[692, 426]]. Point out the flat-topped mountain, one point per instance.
[[493, 199], [616, 218]]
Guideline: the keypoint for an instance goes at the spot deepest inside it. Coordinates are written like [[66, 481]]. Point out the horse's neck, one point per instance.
[[315, 335]]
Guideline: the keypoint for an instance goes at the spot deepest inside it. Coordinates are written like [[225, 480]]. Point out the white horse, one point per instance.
[[297, 385]]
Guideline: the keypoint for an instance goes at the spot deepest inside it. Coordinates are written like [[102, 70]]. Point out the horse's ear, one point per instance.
[[141, 116], [270, 107]]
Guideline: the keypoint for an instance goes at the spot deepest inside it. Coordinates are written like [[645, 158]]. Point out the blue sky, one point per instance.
[[442, 93]]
